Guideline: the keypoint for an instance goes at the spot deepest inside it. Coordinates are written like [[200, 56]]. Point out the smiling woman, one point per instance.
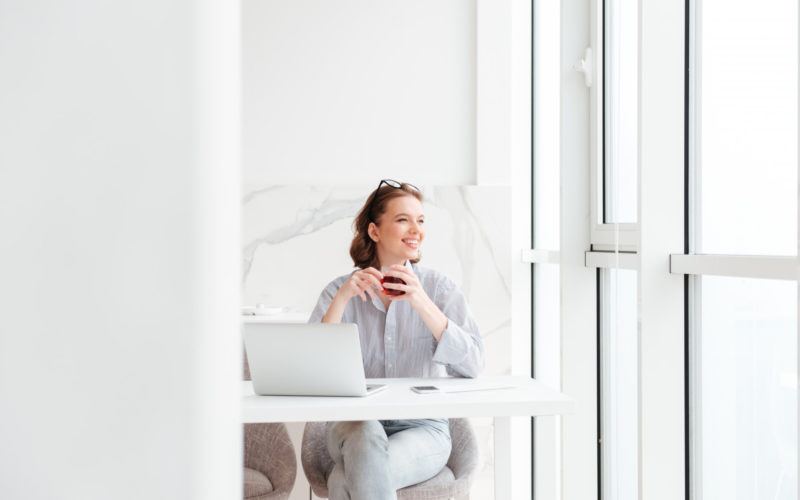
[[398, 206], [425, 330]]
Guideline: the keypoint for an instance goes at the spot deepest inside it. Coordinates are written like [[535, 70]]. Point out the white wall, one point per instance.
[[119, 254], [341, 92]]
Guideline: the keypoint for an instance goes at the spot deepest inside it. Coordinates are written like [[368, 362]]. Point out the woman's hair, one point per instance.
[[362, 248]]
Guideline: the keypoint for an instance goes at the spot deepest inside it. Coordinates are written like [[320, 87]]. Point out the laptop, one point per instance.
[[306, 359]]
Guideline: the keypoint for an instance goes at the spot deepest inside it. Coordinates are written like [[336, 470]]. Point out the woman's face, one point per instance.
[[401, 230]]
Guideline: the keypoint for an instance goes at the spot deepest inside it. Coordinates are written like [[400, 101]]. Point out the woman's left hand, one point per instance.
[[431, 315], [414, 292]]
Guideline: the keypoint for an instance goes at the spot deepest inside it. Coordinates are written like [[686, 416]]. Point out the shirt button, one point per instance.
[[389, 339], [390, 365]]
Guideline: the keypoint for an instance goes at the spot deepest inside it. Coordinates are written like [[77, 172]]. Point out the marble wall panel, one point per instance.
[[297, 239]]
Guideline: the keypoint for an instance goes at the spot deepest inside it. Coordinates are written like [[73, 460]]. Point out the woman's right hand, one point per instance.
[[362, 282]]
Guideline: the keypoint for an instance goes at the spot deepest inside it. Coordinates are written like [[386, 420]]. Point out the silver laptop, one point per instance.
[[313, 359]]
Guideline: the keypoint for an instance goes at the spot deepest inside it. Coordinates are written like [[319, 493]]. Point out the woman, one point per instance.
[[420, 327]]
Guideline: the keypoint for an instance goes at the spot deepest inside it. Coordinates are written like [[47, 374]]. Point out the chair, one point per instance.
[[270, 465], [454, 480]]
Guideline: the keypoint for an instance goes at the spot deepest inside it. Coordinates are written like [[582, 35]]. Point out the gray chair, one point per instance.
[[454, 481], [270, 465]]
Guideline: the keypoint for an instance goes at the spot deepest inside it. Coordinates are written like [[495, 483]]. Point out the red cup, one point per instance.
[[390, 279], [392, 291]]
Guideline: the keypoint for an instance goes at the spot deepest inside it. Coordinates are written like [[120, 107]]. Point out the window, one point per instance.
[[746, 389], [546, 238], [746, 119], [615, 91], [692, 139], [616, 231], [743, 176], [620, 107], [619, 383]]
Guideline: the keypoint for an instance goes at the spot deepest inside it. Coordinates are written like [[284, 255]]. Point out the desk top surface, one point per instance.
[[484, 397]]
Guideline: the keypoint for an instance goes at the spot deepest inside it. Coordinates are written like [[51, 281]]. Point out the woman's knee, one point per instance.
[[362, 435]]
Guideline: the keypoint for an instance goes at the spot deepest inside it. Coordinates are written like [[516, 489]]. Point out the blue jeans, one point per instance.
[[373, 459]]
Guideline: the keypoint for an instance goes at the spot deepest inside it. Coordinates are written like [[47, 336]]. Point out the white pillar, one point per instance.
[[119, 253]]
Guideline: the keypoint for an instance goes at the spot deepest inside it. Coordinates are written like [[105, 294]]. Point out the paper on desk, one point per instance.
[[476, 388]]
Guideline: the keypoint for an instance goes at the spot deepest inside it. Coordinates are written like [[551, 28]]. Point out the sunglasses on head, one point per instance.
[[391, 183]]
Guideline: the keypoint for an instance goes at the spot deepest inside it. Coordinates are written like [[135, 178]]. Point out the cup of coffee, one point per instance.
[[390, 279]]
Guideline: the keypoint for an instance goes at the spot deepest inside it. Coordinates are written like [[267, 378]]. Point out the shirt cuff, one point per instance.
[[452, 348]]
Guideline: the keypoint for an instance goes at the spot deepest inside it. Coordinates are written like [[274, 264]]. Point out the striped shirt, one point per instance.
[[396, 343]]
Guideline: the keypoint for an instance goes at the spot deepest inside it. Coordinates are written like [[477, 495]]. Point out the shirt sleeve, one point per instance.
[[324, 302], [461, 347]]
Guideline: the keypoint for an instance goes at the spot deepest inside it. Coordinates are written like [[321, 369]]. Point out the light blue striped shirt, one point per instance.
[[396, 343]]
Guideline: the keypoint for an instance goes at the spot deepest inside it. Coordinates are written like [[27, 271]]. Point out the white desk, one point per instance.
[[527, 398]]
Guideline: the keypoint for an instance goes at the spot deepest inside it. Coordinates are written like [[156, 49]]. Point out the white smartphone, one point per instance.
[[425, 389]]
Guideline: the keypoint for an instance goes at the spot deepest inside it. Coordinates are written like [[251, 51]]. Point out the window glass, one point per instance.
[[620, 111], [619, 375], [745, 429], [747, 126], [547, 125]]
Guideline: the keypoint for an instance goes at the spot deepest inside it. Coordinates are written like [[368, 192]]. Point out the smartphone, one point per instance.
[[425, 389]]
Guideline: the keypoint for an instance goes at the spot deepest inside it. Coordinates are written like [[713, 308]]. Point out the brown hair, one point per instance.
[[362, 249]]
